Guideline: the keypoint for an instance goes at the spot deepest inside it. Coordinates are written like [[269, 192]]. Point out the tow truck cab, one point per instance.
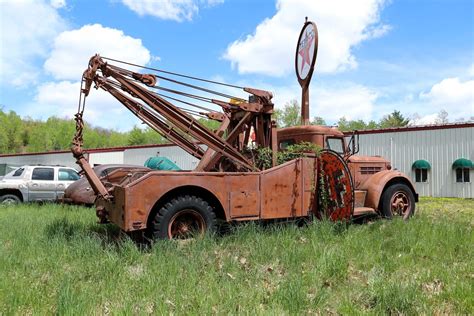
[[378, 187]]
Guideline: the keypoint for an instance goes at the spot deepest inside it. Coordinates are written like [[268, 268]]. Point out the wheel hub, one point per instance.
[[186, 224], [400, 203]]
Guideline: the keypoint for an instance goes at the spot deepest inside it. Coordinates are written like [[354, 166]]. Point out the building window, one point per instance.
[[462, 166], [421, 175], [462, 175], [421, 168]]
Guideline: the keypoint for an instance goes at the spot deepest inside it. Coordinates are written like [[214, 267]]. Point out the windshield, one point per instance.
[[336, 144]]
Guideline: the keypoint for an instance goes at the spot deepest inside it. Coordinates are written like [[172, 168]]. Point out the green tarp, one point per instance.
[[161, 163]]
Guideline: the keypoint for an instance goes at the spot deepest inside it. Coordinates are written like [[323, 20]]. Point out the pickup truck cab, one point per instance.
[[36, 183]]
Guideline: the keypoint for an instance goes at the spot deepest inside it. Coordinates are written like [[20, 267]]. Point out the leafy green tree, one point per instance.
[[153, 137], [359, 125], [210, 124], [318, 120], [395, 119], [136, 136], [290, 115]]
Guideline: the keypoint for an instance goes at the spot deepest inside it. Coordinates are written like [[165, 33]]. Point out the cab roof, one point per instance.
[[309, 129]]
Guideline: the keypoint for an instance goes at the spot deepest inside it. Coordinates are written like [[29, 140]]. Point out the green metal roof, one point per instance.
[[462, 163], [421, 164]]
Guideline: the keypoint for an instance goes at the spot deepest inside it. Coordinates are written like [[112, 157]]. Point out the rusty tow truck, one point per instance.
[[227, 185]]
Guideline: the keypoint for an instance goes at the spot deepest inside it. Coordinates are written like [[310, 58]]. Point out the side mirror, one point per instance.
[[353, 146]]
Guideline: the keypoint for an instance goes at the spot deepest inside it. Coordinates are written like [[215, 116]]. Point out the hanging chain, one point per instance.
[[78, 139]]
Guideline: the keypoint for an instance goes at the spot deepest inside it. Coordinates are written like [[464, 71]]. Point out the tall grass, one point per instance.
[[55, 259]]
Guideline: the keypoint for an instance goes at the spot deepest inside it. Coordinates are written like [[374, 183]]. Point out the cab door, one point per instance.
[[42, 187]]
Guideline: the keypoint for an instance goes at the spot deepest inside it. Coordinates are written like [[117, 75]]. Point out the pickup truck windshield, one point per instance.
[[335, 144]]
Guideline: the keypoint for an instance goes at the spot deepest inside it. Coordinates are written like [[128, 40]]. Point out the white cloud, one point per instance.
[[341, 25], [350, 100], [177, 10], [61, 99], [211, 3], [428, 119], [72, 50], [453, 95], [57, 4], [27, 30]]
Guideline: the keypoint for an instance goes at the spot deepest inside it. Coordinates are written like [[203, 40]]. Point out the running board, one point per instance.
[[361, 210]]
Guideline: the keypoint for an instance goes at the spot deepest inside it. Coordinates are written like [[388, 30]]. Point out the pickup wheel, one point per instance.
[[398, 200], [9, 199], [182, 218]]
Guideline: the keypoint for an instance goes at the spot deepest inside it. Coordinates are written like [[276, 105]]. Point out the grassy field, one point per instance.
[[55, 259]]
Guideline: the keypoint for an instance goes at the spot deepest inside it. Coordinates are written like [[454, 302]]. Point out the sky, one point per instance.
[[374, 56]]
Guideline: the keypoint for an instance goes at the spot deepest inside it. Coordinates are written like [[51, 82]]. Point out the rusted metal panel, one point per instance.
[[282, 189], [281, 192], [375, 185], [338, 187], [244, 204]]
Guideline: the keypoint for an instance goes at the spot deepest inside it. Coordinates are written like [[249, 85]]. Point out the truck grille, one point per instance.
[[370, 170]]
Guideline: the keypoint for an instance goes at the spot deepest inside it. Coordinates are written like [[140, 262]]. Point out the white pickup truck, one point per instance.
[[36, 183]]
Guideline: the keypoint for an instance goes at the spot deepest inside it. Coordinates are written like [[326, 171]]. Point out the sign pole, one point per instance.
[[305, 59]]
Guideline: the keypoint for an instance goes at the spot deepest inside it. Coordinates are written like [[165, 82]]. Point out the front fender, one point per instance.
[[376, 184]]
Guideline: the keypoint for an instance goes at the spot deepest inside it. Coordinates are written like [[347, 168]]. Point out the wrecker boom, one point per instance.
[[238, 119]]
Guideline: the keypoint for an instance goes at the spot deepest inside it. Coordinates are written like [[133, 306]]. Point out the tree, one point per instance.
[[318, 120], [290, 115], [395, 119], [442, 117], [353, 125], [136, 136], [210, 124]]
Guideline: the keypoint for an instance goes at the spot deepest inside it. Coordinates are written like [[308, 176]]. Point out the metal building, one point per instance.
[[134, 155], [438, 159]]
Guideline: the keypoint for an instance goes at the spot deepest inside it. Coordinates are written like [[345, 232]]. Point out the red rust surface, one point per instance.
[[284, 191], [375, 185], [337, 185]]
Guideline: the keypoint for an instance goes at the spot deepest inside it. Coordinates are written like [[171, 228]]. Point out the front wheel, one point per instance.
[[398, 200], [9, 199], [182, 218]]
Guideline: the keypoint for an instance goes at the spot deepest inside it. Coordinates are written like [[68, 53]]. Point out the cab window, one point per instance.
[[68, 175], [43, 174], [336, 144], [285, 143]]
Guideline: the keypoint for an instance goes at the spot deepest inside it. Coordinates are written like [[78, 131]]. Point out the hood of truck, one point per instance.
[[363, 167], [368, 159]]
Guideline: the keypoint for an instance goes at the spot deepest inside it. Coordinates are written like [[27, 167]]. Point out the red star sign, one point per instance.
[[304, 52]]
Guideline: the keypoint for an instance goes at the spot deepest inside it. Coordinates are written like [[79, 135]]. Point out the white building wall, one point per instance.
[[63, 159], [110, 157], [138, 156], [440, 147]]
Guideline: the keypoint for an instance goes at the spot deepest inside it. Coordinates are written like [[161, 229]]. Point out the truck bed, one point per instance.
[[285, 191]]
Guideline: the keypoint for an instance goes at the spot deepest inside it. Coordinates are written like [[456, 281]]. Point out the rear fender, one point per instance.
[[376, 185], [198, 191]]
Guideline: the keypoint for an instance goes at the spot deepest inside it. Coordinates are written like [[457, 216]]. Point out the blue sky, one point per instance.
[[374, 56]]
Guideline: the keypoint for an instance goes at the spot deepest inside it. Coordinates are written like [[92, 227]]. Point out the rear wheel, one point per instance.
[[9, 199], [182, 218], [398, 200]]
